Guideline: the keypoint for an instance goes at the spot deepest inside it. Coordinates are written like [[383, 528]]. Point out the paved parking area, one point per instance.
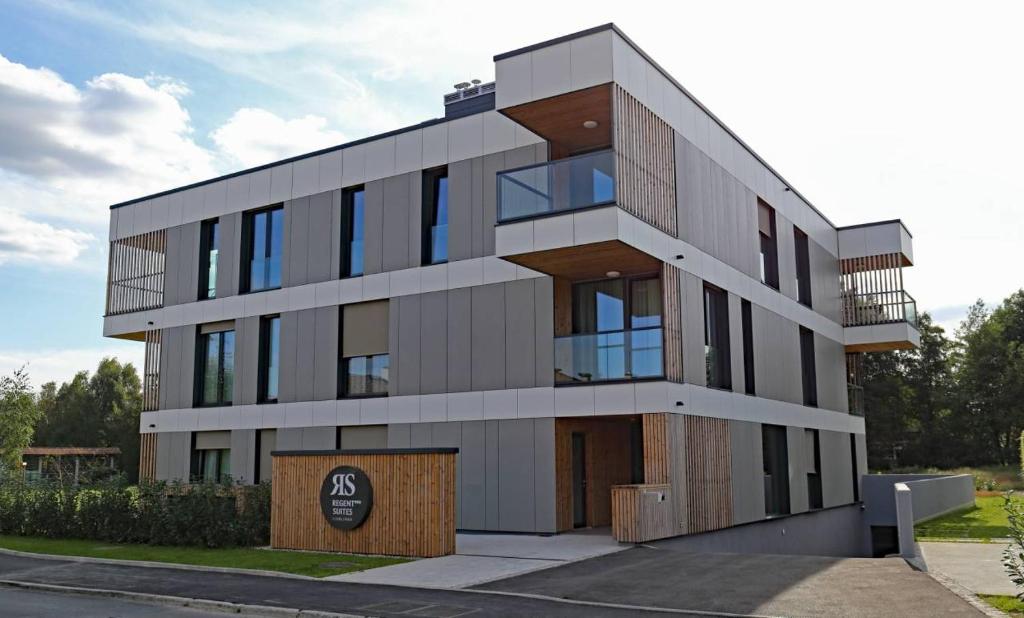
[[975, 566], [482, 558], [758, 584]]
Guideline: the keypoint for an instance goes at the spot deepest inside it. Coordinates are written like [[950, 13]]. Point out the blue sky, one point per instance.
[[907, 110]]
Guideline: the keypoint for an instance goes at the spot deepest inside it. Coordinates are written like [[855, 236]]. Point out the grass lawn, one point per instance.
[[987, 520], [301, 563], [1011, 605]]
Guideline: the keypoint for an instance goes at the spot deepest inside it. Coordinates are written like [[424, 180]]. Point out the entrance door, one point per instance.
[[579, 480]]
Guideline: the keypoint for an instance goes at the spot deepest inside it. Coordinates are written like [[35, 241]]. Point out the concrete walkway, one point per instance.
[[482, 558], [975, 566]]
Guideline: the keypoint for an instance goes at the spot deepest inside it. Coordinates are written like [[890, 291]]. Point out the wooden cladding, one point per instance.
[[872, 291], [672, 317], [147, 457], [645, 163], [151, 371], [642, 512], [608, 458], [413, 510], [135, 273], [657, 464], [708, 456]]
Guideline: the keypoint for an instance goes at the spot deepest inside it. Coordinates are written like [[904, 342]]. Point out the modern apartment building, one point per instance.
[[616, 310]]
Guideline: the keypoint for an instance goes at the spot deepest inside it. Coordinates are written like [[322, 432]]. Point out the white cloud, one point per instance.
[[255, 136], [60, 365], [30, 241]]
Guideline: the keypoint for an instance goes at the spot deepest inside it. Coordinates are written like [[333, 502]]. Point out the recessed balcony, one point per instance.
[[555, 187]]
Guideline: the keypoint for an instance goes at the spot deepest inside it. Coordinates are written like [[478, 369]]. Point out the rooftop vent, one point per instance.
[[468, 90]]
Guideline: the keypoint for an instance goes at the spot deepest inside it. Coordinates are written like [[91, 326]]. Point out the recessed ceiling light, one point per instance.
[[589, 124], [613, 273]]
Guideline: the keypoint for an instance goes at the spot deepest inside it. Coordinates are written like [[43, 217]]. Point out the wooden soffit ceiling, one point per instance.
[[592, 261], [560, 119]]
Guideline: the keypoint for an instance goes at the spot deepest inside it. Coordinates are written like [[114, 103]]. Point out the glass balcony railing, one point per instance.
[[879, 308], [615, 355], [566, 184]]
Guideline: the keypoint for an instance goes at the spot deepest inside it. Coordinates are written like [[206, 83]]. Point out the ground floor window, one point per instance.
[[776, 470], [364, 376], [213, 465]]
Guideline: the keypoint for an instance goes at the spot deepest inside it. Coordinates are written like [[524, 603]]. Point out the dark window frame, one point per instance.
[[248, 250], [815, 499], [776, 470], [802, 253], [431, 192], [348, 229], [747, 320], [769, 248], [719, 339], [808, 371], [199, 460], [343, 376], [263, 371], [209, 234], [199, 380], [855, 467]]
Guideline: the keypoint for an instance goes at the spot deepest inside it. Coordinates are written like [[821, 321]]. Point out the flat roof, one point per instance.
[[874, 223], [611, 26]]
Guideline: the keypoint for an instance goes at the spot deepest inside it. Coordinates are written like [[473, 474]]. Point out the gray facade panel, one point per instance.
[[736, 343], [325, 354], [373, 231], [488, 332], [544, 474], [408, 360], [305, 366], [421, 435], [450, 435], [321, 237], [399, 435], [188, 265], [477, 207], [836, 468], [544, 336], [520, 334], [335, 263], [830, 369], [243, 455], [747, 472], [172, 264], [786, 247], [268, 444], [492, 468], [229, 254], [692, 302], [186, 380], [174, 455], [322, 438], [515, 481], [286, 390], [296, 253], [472, 457], [433, 342], [795, 443], [170, 367], [289, 438], [396, 213], [460, 340], [415, 222], [247, 359], [460, 210]]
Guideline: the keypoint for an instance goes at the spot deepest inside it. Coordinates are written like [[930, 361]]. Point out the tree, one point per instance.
[[18, 417], [101, 410]]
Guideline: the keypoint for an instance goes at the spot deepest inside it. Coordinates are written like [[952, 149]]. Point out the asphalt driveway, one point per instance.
[[747, 584]]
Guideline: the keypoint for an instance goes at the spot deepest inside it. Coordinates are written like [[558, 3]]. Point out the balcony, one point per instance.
[[879, 308], [609, 356], [555, 187], [877, 313]]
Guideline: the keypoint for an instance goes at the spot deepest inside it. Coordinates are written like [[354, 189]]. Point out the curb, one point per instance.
[[966, 595], [150, 564], [172, 601]]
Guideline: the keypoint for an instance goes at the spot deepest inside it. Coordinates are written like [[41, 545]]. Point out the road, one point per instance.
[[35, 604]]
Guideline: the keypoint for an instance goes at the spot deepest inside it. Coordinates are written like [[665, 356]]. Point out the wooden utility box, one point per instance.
[[398, 502]]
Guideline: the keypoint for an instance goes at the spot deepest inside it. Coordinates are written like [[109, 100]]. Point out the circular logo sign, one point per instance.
[[346, 497]]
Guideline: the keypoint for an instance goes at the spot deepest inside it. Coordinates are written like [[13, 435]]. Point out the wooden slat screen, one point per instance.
[[672, 318], [645, 184], [641, 512], [872, 290], [151, 371], [708, 454], [135, 273], [413, 512], [147, 457], [656, 448]]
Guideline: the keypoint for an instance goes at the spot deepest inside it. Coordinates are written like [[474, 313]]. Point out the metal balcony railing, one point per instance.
[[879, 308], [563, 185], [615, 355], [855, 394]]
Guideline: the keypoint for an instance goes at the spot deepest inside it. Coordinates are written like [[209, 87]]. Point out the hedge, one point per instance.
[[205, 515]]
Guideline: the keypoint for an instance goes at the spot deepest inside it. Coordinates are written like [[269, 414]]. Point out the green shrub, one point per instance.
[[206, 514]]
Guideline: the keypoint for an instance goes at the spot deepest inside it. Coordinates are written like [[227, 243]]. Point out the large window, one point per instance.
[[617, 334], [809, 376], [803, 267], [716, 338], [365, 376], [264, 234], [216, 367], [769, 251], [364, 362], [209, 245], [270, 358], [813, 453], [211, 456], [748, 347], [775, 455], [435, 216], [353, 207]]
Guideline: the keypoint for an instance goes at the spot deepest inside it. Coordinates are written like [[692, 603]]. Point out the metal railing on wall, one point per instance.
[[872, 291], [135, 273]]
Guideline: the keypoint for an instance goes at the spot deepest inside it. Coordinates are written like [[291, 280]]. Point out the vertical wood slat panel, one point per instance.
[[413, 512], [656, 448], [645, 163], [638, 515], [147, 457], [709, 480], [672, 323], [135, 273]]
